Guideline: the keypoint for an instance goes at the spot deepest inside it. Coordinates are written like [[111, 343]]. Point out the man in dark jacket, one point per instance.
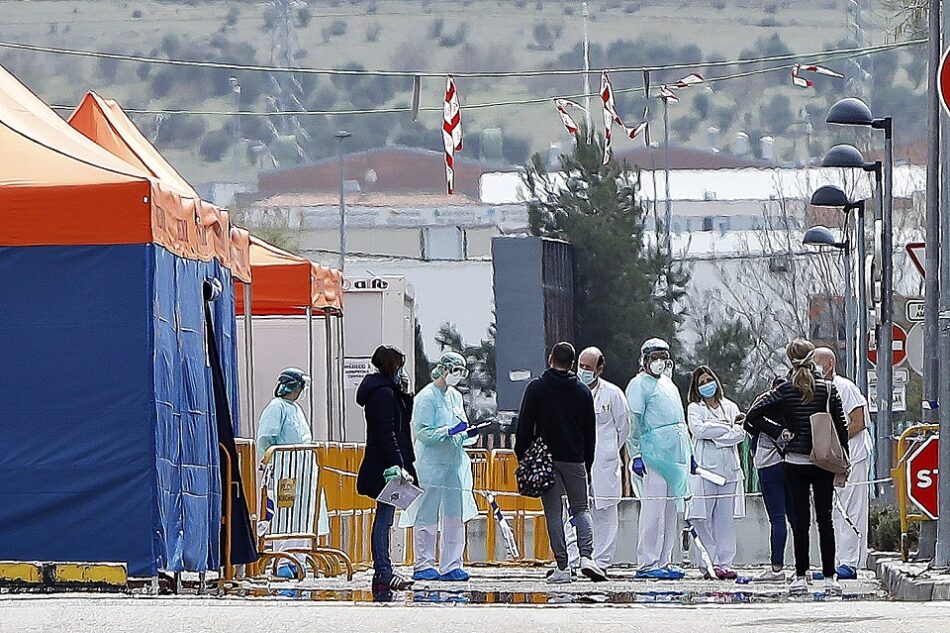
[[559, 408], [387, 407]]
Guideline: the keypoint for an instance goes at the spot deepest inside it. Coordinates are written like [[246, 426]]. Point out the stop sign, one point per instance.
[[943, 81], [898, 346], [922, 476]]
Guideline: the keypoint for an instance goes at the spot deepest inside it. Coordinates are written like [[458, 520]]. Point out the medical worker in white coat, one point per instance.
[[613, 427], [660, 453], [441, 432], [715, 424], [851, 548]]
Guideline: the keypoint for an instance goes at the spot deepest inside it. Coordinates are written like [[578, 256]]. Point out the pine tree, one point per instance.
[[626, 287]]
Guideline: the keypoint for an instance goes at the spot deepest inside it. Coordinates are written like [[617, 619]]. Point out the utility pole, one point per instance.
[[942, 550], [933, 339], [666, 176], [590, 128], [341, 136]]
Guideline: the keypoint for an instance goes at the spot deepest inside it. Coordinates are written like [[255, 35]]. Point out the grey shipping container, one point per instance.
[[534, 309]]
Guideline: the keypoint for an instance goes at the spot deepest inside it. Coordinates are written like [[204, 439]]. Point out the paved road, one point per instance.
[[31, 614]]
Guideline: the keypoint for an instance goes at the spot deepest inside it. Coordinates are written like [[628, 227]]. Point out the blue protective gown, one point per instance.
[[282, 422], [445, 470], [658, 432]]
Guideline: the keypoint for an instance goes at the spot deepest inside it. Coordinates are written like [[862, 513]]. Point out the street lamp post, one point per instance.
[[829, 196], [848, 157], [341, 136], [852, 111]]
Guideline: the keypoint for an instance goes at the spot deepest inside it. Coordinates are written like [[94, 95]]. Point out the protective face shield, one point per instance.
[[587, 376], [456, 375], [452, 366], [708, 390], [289, 380], [661, 364]]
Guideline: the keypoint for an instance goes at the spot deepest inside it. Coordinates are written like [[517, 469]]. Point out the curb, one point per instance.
[[909, 582], [62, 576]]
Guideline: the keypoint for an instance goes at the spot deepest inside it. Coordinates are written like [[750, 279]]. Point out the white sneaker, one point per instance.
[[833, 587], [769, 575], [560, 577], [799, 586], [590, 569]]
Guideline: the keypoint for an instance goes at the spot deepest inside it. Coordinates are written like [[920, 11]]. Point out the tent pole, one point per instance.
[[310, 358], [328, 334], [249, 359], [341, 392]]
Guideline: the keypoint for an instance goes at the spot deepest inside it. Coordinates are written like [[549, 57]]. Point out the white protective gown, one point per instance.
[[606, 485], [851, 549], [714, 508]]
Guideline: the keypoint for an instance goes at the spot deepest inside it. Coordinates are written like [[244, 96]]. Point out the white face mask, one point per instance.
[[587, 376], [453, 379], [657, 367]]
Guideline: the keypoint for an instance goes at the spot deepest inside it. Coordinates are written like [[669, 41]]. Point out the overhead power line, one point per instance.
[[144, 59], [825, 57]]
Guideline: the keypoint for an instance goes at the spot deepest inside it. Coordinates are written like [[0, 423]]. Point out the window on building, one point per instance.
[[443, 242]]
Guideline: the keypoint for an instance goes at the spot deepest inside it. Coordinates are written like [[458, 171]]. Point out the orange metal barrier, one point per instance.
[[350, 515], [503, 464], [905, 444]]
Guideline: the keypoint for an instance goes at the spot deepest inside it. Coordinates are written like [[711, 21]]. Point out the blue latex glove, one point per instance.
[[393, 472], [692, 465], [638, 467], [461, 427]]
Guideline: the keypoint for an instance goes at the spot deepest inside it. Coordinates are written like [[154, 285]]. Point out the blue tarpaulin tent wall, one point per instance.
[[108, 445]]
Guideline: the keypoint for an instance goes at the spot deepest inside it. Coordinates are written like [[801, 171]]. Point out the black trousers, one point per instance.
[[802, 480]]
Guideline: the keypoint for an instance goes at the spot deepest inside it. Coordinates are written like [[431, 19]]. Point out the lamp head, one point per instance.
[[850, 111], [829, 196], [821, 236], [844, 156]]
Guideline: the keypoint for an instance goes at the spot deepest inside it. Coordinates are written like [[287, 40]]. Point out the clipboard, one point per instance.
[[399, 493]]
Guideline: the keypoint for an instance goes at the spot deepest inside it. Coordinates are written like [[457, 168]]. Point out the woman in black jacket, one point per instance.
[[387, 406], [785, 416]]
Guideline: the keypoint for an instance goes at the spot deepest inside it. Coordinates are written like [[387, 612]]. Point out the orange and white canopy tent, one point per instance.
[[57, 187], [287, 284], [104, 122]]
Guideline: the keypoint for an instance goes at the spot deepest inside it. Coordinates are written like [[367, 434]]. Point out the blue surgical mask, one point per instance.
[[587, 376], [400, 374], [708, 390]]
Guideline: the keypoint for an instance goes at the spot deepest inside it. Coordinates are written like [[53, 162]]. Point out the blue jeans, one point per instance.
[[778, 506], [382, 525]]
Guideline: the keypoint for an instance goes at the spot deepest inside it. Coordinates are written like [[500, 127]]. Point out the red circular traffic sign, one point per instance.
[[943, 81], [922, 476], [898, 346]]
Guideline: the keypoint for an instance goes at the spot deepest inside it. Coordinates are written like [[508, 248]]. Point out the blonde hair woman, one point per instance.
[[785, 415]]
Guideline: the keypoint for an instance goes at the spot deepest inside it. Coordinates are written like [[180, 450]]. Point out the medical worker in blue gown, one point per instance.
[[284, 422], [441, 432], [661, 454]]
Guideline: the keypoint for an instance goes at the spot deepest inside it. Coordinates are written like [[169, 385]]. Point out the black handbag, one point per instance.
[[535, 472]]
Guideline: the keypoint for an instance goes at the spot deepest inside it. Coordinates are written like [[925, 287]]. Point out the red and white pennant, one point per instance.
[[611, 117], [801, 82], [451, 131], [666, 92], [562, 106]]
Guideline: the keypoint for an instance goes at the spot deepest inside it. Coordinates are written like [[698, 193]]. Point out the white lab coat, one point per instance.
[[613, 427], [716, 438]]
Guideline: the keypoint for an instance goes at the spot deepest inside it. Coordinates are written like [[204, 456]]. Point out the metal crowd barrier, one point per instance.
[[291, 475], [907, 441]]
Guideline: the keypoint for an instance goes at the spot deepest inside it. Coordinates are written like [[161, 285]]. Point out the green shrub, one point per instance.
[[884, 530]]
